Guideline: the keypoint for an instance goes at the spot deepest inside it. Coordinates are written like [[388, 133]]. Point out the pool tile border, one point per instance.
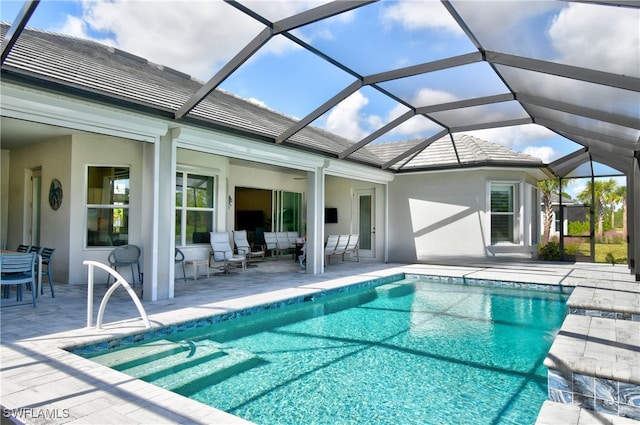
[[606, 314], [462, 280], [593, 393], [94, 348]]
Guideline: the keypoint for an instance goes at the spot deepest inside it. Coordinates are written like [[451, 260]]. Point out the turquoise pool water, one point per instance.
[[410, 352]]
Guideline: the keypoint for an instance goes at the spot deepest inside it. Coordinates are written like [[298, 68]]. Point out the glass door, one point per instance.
[[287, 212], [36, 198], [364, 221], [578, 237]]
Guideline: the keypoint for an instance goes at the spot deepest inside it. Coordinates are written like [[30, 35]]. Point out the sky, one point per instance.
[[198, 37]]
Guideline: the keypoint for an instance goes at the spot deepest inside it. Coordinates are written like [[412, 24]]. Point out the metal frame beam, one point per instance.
[[424, 68], [379, 132], [286, 24], [495, 124], [317, 14], [415, 149], [567, 71], [467, 103], [343, 94], [14, 31], [616, 3], [579, 110], [614, 142], [241, 57]]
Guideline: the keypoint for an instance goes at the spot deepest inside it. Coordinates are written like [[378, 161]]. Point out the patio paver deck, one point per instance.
[[42, 383]]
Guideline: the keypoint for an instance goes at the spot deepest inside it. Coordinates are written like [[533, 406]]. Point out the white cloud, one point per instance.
[[257, 102], [545, 153], [575, 187], [598, 37], [185, 35], [345, 119], [515, 136], [76, 27], [428, 96], [416, 15], [496, 25]]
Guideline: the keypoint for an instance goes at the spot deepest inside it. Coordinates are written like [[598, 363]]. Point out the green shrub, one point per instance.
[[610, 258], [579, 228], [549, 252], [571, 248]]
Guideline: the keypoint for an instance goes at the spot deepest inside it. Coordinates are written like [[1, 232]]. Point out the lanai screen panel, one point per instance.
[[481, 115], [274, 77], [378, 37], [583, 34]]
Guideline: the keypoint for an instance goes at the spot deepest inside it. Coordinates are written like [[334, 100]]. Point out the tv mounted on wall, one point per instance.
[[330, 215]]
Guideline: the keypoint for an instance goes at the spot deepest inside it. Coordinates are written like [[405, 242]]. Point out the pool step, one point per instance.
[[192, 355], [198, 376], [140, 354]]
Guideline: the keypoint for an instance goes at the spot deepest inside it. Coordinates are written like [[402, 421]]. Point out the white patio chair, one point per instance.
[[244, 248], [221, 252]]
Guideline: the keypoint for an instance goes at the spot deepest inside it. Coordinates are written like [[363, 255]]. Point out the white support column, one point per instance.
[[149, 259], [315, 221], [633, 222]]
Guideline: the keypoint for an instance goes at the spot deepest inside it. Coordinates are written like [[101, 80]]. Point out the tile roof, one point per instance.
[[466, 151], [110, 73]]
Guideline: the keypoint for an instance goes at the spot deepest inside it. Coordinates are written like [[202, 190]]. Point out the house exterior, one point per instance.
[[95, 120]]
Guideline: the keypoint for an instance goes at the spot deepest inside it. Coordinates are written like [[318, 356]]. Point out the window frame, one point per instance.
[[186, 171], [113, 206], [515, 213]]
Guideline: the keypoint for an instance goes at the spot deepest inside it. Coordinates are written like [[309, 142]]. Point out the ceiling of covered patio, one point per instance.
[[395, 77]]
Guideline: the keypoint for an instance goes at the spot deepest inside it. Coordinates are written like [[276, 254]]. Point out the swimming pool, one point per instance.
[[413, 351]]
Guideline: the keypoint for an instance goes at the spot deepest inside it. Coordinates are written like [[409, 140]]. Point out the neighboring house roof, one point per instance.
[[112, 75], [555, 200]]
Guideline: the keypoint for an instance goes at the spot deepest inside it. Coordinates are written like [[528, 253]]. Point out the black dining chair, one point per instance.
[[179, 258], [46, 255]]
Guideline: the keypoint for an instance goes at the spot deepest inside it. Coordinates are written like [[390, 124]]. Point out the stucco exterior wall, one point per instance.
[[5, 157], [210, 164], [339, 193], [53, 159], [442, 215], [106, 151]]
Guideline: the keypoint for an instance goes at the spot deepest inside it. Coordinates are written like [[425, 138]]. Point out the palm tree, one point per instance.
[[602, 193], [621, 193], [547, 188]]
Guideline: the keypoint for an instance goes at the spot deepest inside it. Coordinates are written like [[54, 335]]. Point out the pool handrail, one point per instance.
[[120, 280]]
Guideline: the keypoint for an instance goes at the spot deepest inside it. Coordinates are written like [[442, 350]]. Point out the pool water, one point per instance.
[[410, 352]]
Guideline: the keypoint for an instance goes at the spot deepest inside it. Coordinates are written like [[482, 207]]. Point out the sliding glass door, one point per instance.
[[287, 212]]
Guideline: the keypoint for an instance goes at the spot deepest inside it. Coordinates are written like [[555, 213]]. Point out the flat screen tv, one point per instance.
[[249, 220], [330, 215]]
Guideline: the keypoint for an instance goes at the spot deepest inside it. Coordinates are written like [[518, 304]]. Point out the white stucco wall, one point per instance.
[[5, 157], [106, 151], [339, 193], [209, 164], [53, 159], [441, 215]]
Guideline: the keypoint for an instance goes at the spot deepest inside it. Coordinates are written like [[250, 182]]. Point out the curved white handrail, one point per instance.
[[119, 281]]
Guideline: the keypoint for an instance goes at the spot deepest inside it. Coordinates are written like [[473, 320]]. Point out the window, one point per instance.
[[503, 213], [107, 206], [194, 208]]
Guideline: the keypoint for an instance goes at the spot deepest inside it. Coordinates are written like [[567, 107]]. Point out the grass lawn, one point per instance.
[[619, 251]]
